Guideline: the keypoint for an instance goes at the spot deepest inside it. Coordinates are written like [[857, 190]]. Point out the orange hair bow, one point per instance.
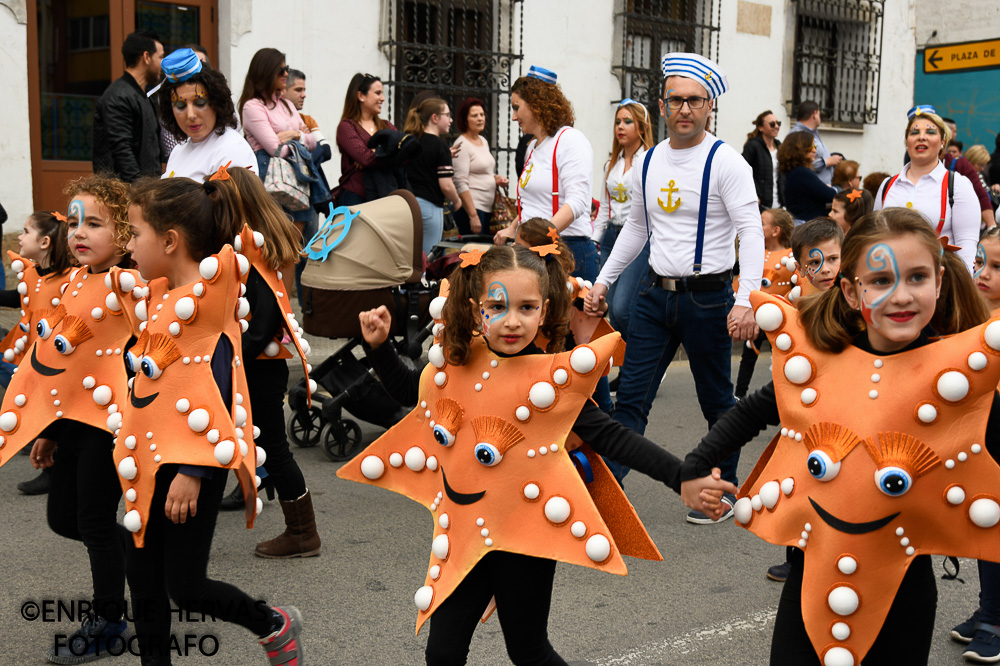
[[471, 258], [545, 250], [553, 233], [854, 195], [59, 216], [222, 173], [945, 245]]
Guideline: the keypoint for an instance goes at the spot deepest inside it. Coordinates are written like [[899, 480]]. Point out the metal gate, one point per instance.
[[456, 49]]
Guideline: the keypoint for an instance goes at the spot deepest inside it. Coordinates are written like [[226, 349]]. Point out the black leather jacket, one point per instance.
[[755, 152], [126, 132]]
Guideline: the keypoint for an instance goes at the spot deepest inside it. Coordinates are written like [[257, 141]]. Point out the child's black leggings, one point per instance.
[[522, 586]]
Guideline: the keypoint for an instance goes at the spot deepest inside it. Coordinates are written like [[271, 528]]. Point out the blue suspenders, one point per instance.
[[702, 207]]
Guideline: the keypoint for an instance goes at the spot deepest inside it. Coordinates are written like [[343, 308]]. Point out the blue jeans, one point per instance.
[[465, 228], [622, 294], [989, 592], [433, 223], [661, 322]]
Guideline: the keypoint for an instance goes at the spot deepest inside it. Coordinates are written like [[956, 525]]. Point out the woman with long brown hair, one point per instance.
[[358, 122], [761, 153], [806, 196]]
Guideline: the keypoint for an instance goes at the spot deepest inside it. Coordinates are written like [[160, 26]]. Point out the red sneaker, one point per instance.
[[283, 647]]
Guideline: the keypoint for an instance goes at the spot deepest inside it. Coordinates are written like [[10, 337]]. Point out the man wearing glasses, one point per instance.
[[809, 116], [691, 196]]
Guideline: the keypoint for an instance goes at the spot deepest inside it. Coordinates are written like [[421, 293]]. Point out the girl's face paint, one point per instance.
[[511, 309], [987, 274], [666, 109], [923, 141], [76, 213], [91, 236], [823, 264], [896, 290], [192, 111]]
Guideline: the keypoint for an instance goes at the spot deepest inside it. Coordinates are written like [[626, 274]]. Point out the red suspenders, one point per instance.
[[555, 178], [944, 199]]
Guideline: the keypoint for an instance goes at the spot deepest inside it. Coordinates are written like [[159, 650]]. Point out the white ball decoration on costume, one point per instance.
[[542, 395], [783, 342], [847, 565], [578, 529], [531, 491], [213, 436], [225, 451], [977, 361], [843, 600], [841, 631], [440, 378], [756, 503], [126, 281], [140, 311], [20, 399], [522, 413], [953, 386], [798, 369], [184, 308], [209, 267], [927, 413], [111, 301], [102, 395], [838, 656], [769, 494], [598, 548], [432, 463], [557, 509], [444, 521], [114, 421], [97, 314], [769, 317], [240, 416], [261, 455], [199, 288], [415, 458], [434, 572], [436, 355], [436, 306], [260, 506], [396, 459], [992, 335], [808, 396], [583, 360], [441, 546], [8, 421], [127, 468], [130, 442], [130, 494], [242, 307], [243, 263], [17, 266], [423, 597], [955, 495], [199, 419], [788, 485], [372, 467], [984, 512], [258, 239], [560, 376], [743, 510], [132, 521]]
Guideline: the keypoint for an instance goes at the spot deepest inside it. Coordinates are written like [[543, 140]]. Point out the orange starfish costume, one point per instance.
[[80, 343], [485, 450], [879, 459], [36, 292], [175, 413], [779, 276]]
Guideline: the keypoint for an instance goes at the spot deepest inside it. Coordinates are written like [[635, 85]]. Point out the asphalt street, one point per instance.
[[707, 602]]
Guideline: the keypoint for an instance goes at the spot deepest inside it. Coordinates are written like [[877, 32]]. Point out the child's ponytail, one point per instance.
[[960, 305], [539, 232], [54, 227], [259, 210]]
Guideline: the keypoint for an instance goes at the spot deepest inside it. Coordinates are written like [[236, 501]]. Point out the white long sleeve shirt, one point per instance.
[[617, 185], [673, 183], [575, 159], [961, 222]]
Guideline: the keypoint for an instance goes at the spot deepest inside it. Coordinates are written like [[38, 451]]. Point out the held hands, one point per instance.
[[41, 453], [705, 494], [741, 322], [375, 325], [182, 498], [595, 305]]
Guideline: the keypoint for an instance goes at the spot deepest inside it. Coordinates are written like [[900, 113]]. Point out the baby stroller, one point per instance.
[[362, 257]]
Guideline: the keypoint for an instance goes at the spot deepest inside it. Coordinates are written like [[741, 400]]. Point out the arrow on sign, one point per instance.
[[934, 59]]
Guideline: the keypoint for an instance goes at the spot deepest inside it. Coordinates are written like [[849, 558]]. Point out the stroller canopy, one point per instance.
[[380, 248]]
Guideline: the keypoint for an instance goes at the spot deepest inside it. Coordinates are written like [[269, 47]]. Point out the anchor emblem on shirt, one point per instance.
[[526, 176], [671, 205], [621, 193]]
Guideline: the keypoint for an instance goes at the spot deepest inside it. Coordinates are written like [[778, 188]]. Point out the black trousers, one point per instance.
[[747, 362], [268, 382], [905, 638], [83, 506], [173, 564], [522, 586]]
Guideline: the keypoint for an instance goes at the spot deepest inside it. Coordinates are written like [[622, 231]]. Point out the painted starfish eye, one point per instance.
[[893, 481], [443, 436], [822, 467], [488, 454]]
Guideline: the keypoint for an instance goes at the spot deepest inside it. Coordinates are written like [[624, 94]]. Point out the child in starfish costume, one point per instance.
[[189, 415], [68, 393], [485, 450], [886, 451]]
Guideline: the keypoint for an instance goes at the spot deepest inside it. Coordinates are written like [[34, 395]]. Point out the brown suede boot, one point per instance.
[[300, 538]]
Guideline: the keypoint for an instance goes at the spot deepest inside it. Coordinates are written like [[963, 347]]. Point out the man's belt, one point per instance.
[[713, 282]]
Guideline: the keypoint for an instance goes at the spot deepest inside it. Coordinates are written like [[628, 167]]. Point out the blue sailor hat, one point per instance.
[[920, 109], [181, 65], [698, 68], [542, 74]]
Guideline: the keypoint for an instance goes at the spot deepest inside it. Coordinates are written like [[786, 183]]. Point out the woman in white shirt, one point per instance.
[[475, 169], [196, 107], [540, 108], [633, 137], [923, 185]]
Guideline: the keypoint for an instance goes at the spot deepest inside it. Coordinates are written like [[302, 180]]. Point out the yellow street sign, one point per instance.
[[962, 57]]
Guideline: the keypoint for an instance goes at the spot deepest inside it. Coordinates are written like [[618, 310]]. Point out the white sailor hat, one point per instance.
[[920, 109], [181, 65], [542, 74], [698, 68]]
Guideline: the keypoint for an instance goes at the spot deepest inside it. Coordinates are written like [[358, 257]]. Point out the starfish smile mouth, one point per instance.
[[139, 403], [41, 368], [851, 528], [460, 498]]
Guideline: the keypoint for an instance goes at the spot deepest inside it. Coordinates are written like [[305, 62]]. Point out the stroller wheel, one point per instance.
[[304, 427], [341, 439]]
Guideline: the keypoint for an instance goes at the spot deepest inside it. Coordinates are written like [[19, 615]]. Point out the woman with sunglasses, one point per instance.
[[358, 122], [761, 153]]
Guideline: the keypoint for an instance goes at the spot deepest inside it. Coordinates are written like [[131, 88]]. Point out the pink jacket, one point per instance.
[[261, 124]]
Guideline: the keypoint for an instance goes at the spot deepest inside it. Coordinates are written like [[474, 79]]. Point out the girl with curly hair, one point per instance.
[[196, 107], [558, 171]]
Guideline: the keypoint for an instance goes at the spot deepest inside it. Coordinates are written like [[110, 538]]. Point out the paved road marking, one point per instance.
[[692, 641]]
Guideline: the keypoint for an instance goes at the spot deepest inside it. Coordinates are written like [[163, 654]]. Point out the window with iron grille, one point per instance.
[[838, 53], [456, 49], [649, 29]]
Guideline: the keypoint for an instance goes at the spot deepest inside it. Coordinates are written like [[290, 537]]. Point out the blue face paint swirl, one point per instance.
[[76, 210], [822, 260], [496, 292], [666, 106], [879, 258], [980, 257]]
